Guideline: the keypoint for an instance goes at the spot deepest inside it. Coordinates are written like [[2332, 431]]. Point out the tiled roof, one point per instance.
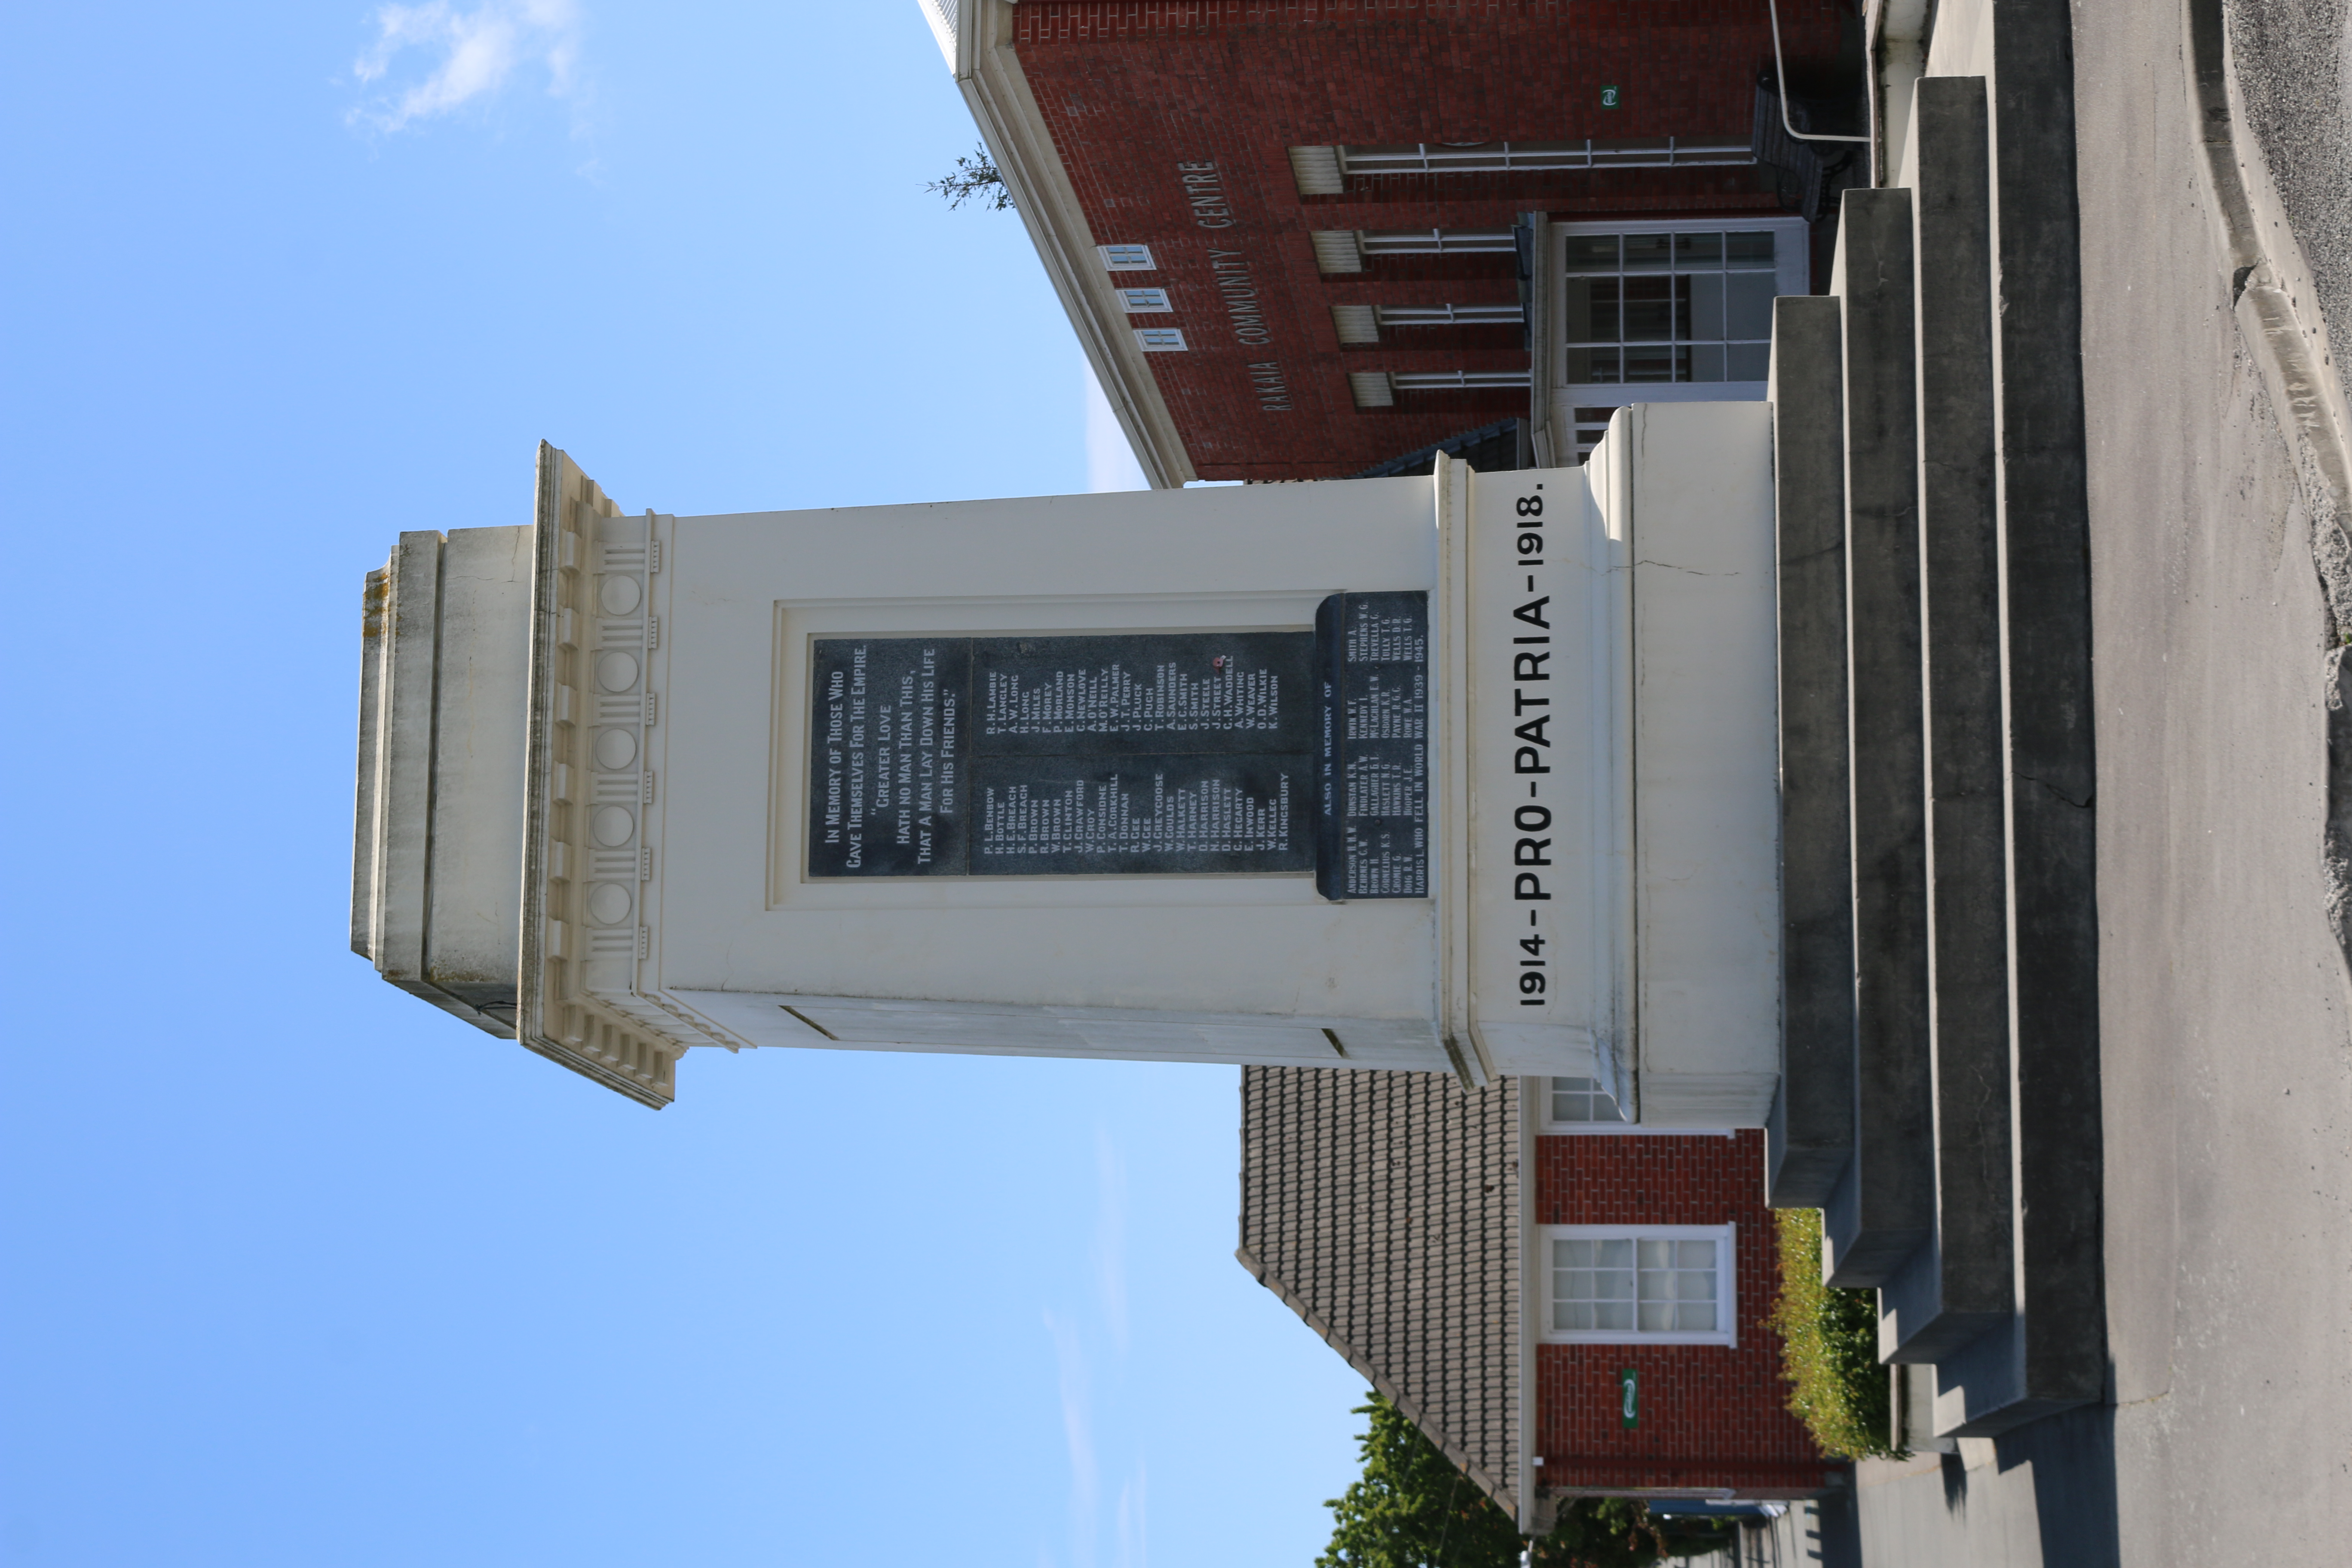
[[1383, 1208]]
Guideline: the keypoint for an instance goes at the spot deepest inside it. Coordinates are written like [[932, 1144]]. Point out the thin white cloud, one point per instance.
[[1110, 1235], [468, 56], [1134, 1521], [1110, 461], [1078, 1430]]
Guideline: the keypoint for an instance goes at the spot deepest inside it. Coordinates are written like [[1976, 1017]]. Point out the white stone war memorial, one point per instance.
[[1467, 772]]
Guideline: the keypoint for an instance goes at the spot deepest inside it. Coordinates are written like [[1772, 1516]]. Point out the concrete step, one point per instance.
[[1951, 1136]]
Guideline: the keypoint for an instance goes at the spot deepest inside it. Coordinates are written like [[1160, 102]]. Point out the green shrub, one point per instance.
[[1413, 1510], [1829, 1349]]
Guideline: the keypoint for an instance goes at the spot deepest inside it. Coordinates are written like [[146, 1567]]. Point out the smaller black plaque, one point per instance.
[[1372, 746]]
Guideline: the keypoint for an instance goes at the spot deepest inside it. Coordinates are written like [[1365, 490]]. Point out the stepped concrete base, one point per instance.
[[1971, 1198]]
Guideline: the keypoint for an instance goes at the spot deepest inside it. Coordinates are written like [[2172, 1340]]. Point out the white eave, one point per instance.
[[975, 38]]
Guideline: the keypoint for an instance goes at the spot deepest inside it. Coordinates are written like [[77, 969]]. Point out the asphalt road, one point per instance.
[[2226, 1050]]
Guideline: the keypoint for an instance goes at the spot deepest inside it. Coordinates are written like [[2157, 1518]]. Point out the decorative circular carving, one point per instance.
[[615, 749], [611, 825], [619, 595], [617, 671], [609, 904]]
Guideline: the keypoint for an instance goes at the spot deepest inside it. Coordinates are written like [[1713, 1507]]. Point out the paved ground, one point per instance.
[[2227, 1064]]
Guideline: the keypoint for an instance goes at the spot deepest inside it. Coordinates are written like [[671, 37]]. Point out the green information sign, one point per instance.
[[1629, 1396], [1608, 97]]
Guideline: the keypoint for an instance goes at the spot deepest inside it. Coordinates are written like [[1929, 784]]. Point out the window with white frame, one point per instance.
[[1450, 315], [1144, 301], [1580, 1101], [1655, 1284], [1378, 388], [1127, 258], [1339, 250], [1663, 313], [1582, 1105], [1161, 340], [1434, 241], [1641, 308], [1456, 380], [1325, 171]]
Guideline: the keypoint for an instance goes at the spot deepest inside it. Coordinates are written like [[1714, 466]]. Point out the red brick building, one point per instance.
[[1501, 1264], [1713, 1406], [1300, 239]]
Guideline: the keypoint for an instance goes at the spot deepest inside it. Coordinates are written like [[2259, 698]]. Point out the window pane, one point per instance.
[[1657, 364], [1612, 1284], [1591, 365], [1743, 252], [1693, 1316], [1580, 1315], [1589, 252], [1588, 309], [1748, 305], [1705, 295], [1706, 361], [1693, 1285], [1575, 1254], [1746, 361], [1699, 250], [1613, 1315], [1657, 1317], [1656, 1254], [1649, 252], [1615, 1254], [1695, 1255], [1649, 309]]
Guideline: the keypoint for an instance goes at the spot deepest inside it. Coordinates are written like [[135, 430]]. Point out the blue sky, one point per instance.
[[299, 1271]]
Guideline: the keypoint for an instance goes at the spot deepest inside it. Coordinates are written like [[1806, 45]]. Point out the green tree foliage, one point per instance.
[[1413, 1510], [1829, 1349], [974, 179]]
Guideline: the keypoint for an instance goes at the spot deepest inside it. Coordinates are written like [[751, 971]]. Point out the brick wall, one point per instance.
[[1135, 93], [1711, 1416]]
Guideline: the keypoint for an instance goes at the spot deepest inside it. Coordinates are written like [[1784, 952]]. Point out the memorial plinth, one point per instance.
[[1469, 773]]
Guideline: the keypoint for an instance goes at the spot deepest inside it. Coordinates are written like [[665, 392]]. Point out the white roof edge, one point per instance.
[[941, 16], [1013, 130]]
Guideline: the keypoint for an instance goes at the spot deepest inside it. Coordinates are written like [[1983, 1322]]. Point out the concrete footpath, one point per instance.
[[2226, 1049]]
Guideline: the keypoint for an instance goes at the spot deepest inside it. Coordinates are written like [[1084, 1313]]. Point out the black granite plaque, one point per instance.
[[1372, 746], [1163, 692], [1228, 811], [1062, 755], [889, 757]]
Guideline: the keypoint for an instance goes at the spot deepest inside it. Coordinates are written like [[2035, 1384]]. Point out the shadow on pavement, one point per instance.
[[2072, 1455], [2043, 1496]]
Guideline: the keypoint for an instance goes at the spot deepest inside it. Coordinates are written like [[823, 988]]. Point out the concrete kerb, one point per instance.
[[2278, 317]]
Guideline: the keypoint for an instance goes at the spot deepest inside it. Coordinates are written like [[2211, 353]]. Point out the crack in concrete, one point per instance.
[[2081, 804]]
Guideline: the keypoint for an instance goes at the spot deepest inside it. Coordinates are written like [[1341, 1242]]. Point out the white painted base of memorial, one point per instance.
[[1601, 812]]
